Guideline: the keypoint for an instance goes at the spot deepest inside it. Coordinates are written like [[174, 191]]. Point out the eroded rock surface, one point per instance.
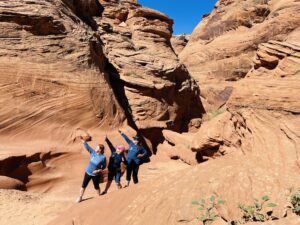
[[179, 42], [154, 88], [221, 47], [216, 137], [10, 183], [266, 161], [90, 64], [53, 78]]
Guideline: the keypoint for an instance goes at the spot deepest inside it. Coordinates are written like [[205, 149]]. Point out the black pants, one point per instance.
[[87, 178], [132, 169]]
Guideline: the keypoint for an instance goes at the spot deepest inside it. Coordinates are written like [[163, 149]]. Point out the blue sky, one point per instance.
[[185, 13]]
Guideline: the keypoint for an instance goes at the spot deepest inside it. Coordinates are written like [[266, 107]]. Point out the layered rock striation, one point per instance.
[[67, 64], [154, 88], [222, 46], [53, 78], [263, 117], [179, 42]]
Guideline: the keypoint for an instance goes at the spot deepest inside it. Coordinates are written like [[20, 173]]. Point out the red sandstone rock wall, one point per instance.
[[69, 64], [222, 46]]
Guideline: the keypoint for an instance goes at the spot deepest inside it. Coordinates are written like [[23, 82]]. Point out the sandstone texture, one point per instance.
[[154, 88], [221, 48], [84, 68], [10, 183], [179, 42], [90, 64], [216, 137], [52, 73], [259, 131], [117, 64], [178, 147]]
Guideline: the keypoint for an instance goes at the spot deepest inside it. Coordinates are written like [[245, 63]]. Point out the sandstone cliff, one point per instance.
[[94, 65], [117, 62], [155, 90], [263, 118], [221, 47], [69, 64], [53, 78]]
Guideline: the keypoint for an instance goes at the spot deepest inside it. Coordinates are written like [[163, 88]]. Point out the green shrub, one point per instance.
[[295, 201], [207, 209], [259, 211]]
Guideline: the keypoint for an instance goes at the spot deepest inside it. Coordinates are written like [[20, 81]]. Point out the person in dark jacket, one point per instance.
[[92, 172], [136, 152], [114, 165]]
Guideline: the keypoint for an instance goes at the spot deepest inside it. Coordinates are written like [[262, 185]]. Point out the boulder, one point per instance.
[[216, 136], [178, 146]]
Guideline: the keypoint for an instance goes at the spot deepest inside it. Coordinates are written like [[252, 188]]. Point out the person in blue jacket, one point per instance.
[[136, 152], [92, 171], [114, 165]]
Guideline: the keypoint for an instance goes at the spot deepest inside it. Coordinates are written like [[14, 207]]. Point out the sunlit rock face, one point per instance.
[[52, 72], [68, 64], [259, 137], [221, 48], [179, 42], [156, 89]]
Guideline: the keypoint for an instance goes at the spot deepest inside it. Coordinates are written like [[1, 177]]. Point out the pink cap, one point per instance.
[[121, 148]]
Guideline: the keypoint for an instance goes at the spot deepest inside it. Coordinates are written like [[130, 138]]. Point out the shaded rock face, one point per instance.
[[69, 64], [221, 47], [155, 90]]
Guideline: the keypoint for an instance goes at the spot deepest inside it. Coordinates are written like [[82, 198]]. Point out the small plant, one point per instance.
[[207, 209], [259, 211], [295, 201]]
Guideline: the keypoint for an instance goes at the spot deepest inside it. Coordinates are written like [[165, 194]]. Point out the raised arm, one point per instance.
[[110, 145], [125, 137], [86, 146]]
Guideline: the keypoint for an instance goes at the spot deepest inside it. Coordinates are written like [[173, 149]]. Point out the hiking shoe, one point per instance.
[[79, 199]]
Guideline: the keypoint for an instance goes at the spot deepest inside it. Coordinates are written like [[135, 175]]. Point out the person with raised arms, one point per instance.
[[114, 166], [136, 152], [96, 164]]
